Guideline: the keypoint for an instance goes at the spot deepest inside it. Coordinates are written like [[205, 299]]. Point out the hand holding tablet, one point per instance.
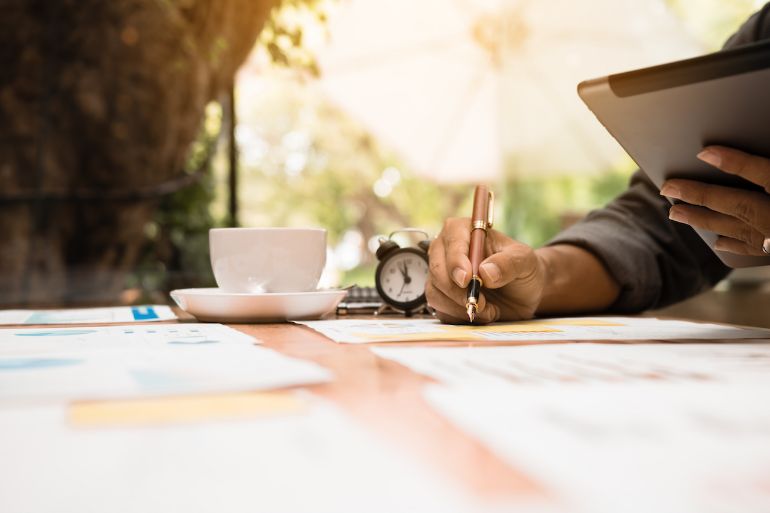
[[698, 129], [740, 218]]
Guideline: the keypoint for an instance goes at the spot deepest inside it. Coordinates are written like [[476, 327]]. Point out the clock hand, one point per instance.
[[404, 273], [407, 278]]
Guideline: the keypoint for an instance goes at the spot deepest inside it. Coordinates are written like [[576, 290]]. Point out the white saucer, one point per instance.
[[214, 305]]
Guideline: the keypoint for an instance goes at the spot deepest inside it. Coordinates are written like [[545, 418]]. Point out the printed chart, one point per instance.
[[111, 315], [140, 360]]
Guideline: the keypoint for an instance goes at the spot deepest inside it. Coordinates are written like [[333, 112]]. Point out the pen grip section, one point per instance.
[[474, 288]]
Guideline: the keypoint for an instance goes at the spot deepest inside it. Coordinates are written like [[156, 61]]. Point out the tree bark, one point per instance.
[[100, 97]]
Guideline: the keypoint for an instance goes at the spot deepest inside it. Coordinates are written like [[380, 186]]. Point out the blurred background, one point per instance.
[[365, 116]]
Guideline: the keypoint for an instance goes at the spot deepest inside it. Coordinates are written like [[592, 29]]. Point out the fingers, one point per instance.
[[740, 217], [450, 319], [450, 272], [443, 304], [456, 236], [509, 261], [453, 304], [738, 247], [448, 254], [751, 207], [450, 268], [751, 167], [727, 226]]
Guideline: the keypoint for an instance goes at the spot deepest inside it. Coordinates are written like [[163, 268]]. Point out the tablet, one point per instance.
[[664, 115]]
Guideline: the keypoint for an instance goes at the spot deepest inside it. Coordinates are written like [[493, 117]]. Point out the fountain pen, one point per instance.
[[481, 221]]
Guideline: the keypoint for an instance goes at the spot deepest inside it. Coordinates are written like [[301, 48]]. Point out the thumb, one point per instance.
[[510, 261]]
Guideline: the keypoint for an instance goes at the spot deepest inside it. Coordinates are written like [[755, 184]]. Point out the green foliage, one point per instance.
[[536, 209], [713, 21], [284, 34]]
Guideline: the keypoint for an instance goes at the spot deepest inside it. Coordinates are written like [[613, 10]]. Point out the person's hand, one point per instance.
[[741, 218], [512, 273]]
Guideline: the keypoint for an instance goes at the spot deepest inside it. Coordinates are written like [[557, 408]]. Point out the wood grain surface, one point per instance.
[[387, 399]]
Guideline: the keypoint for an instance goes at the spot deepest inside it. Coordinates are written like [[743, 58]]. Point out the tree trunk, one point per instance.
[[98, 99]]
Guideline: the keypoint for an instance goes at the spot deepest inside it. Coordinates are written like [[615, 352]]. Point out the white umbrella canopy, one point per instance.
[[456, 87]]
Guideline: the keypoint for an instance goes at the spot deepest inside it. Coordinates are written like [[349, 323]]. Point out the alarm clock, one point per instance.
[[402, 273]]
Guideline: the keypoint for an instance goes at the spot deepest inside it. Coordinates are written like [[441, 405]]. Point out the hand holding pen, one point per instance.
[[509, 276]]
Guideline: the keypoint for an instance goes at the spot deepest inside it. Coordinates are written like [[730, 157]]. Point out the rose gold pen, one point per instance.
[[481, 220]]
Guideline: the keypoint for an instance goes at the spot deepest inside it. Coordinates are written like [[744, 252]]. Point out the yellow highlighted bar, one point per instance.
[[472, 333], [580, 322], [181, 409], [519, 328]]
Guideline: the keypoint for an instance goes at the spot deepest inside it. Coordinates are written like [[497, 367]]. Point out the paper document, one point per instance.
[[117, 314], [353, 331], [579, 364], [669, 448], [316, 460], [615, 427], [139, 360]]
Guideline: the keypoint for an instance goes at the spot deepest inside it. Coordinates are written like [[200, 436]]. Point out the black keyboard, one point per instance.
[[360, 300]]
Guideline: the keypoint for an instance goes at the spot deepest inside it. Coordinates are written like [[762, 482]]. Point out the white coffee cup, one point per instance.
[[257, 260]]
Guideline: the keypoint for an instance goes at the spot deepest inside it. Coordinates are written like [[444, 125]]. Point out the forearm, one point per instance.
[[575, 281]]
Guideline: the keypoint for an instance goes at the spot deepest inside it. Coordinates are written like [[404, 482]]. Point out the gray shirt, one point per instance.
[[656, 261]]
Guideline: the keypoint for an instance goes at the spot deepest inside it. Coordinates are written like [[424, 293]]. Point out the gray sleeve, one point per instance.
[[756, 28], [656, 262]]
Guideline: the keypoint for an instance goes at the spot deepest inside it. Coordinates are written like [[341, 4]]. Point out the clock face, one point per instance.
[[401, 278]]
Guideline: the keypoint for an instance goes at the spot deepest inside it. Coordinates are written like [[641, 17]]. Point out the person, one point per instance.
[[637, 253]]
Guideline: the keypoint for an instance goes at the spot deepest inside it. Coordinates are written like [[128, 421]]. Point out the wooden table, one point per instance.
[[387, 398]]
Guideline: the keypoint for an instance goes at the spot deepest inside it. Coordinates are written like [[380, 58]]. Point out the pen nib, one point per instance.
[[471, 312]]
